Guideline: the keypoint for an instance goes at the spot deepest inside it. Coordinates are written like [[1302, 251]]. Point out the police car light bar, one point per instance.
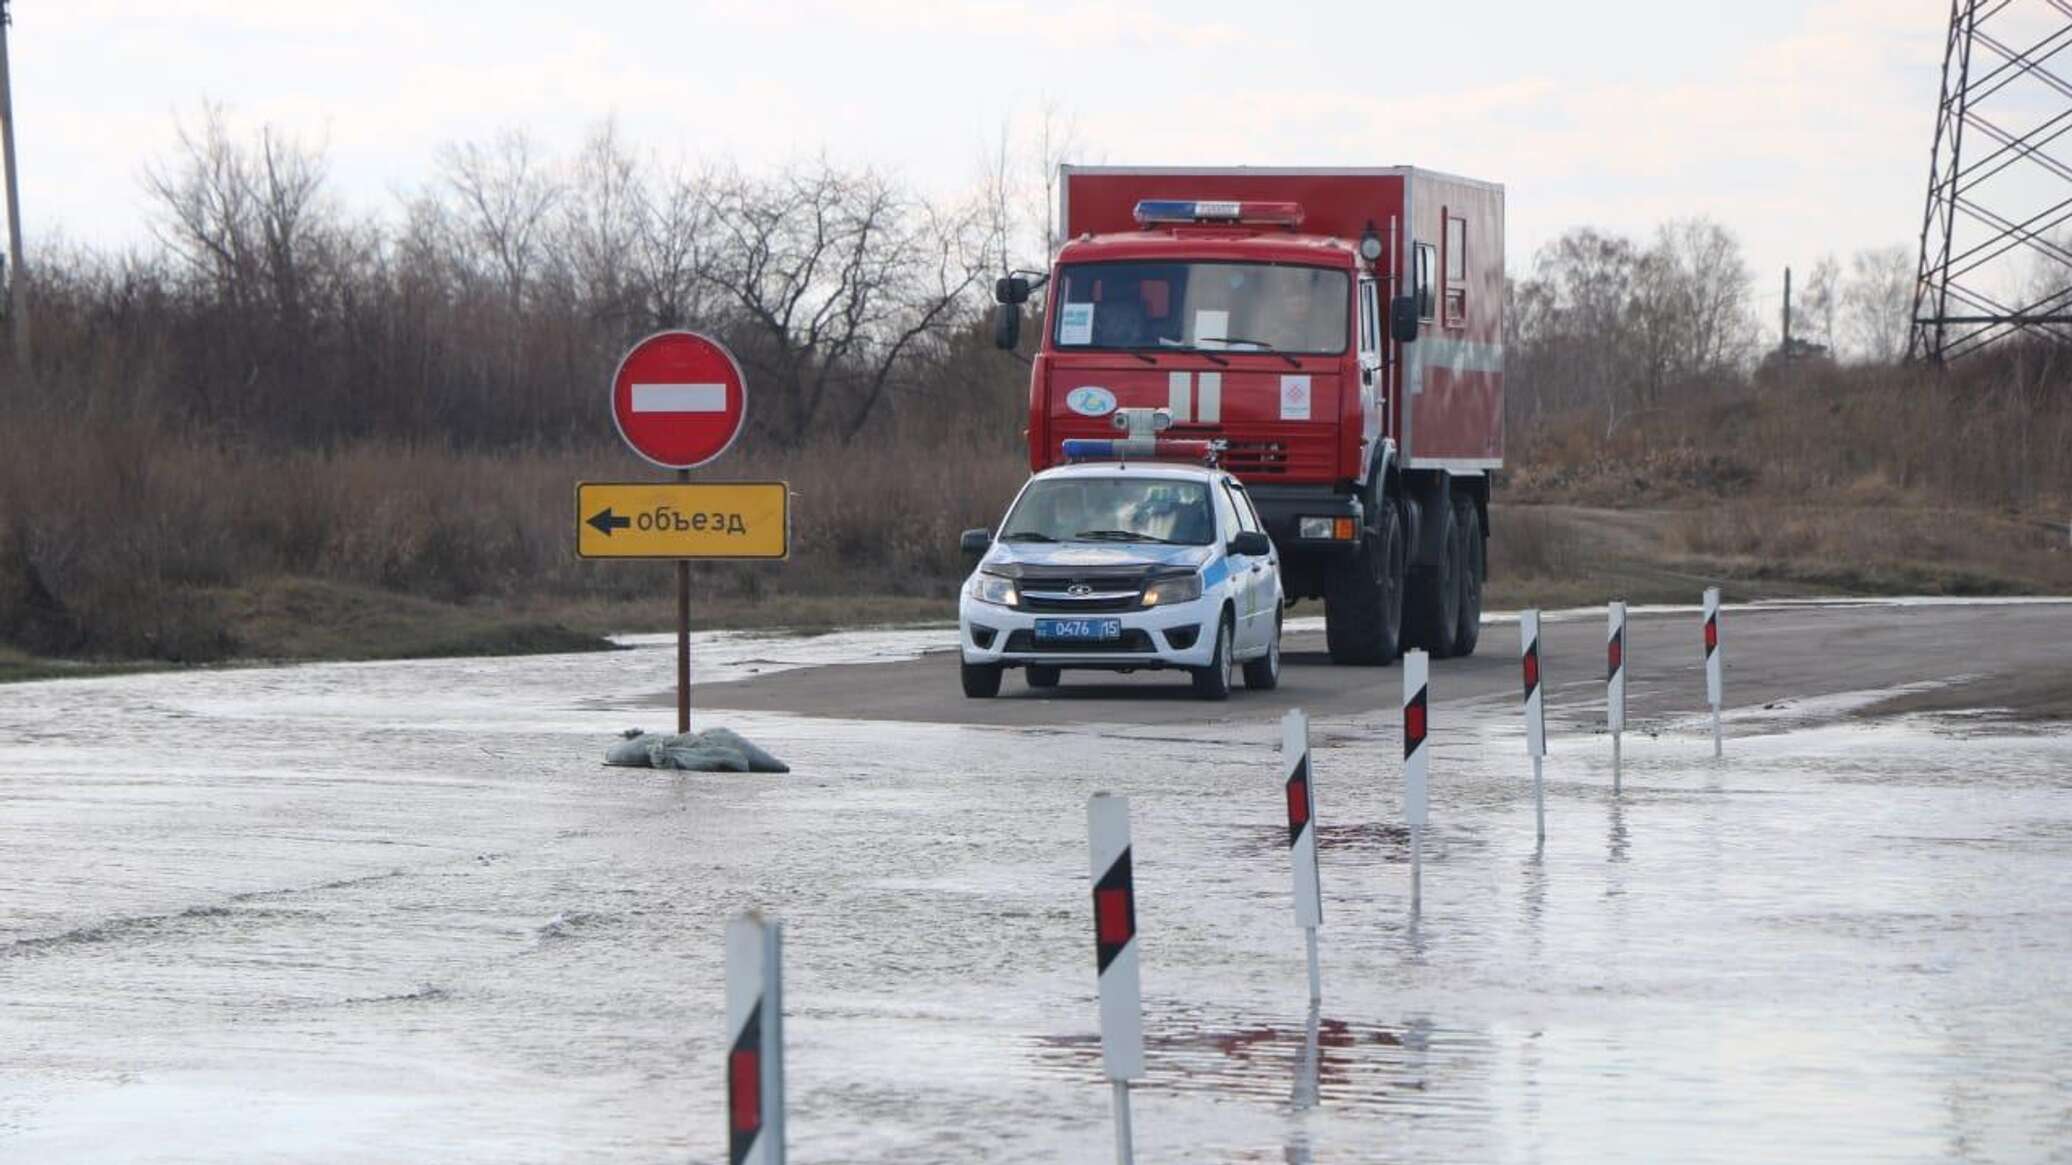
[[1159, 449], [1192, 210]]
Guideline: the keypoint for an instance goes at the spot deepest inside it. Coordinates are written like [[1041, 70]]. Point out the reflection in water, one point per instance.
[[1615, 835], [1305, 1095], [1535, 902]]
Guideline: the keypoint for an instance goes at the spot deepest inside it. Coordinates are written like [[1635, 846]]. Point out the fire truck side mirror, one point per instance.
[[1011, 289], [1403, 319], [1007, 326]]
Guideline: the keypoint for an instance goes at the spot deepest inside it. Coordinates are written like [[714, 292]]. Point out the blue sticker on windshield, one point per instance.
[[1090, 401]]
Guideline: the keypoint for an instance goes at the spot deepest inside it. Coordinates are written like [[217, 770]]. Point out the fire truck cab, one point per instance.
[[1339, 330]]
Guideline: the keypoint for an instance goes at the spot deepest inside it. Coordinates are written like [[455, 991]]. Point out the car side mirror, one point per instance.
[[1403, 319], [1011, 289], [975, 542], [1252, 544], [1007, 327]]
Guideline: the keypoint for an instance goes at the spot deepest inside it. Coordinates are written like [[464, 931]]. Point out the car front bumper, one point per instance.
[[1182, 635]]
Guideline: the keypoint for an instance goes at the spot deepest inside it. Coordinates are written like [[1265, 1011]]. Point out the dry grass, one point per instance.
[[129, 540]]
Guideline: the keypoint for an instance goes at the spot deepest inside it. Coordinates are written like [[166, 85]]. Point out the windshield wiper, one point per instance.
[[1026, 536], [1121, 536], [1177, 346], [1263, 346]]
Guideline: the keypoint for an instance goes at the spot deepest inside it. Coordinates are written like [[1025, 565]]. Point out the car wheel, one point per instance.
[[1213, 682], [981, 680], [1264, 674], [1042, 675]]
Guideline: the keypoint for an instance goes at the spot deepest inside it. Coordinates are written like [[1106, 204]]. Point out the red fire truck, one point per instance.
[[1339, 330]]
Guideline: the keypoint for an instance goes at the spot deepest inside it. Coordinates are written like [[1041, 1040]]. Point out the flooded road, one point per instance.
[[400, 911]]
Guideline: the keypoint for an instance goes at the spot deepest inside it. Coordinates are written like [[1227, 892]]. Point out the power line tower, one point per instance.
[[1996, 258]]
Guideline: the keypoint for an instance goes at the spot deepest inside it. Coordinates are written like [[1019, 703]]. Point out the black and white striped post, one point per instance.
[[1302, 841], [1417, 760], [1535, 714], [1115, 956], [1713, 684], [1615, 684], [755, 1042]]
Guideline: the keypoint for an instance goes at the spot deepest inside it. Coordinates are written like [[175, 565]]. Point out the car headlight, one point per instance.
[[992, 588], [1166, 592]]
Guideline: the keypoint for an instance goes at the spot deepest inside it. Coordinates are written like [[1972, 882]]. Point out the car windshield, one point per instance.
[[1223, 307], [1108, 509]]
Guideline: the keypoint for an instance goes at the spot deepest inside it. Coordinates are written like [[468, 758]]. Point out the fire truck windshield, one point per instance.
[[1233, 307]]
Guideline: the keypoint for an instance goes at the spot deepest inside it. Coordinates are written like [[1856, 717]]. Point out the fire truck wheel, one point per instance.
[[1363, 602], [1468, 521], [1041, 675], [1213, 682], [1432, 614], [981, 680]]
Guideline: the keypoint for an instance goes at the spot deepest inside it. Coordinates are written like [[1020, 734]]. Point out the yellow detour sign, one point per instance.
[[681, 519]]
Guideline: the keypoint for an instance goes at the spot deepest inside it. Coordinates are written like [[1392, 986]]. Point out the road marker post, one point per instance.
[[1535, 713], [1417, 759], [1615, 684], [755, 1042], [1302, 841], [1713, 664], [1115, 956]]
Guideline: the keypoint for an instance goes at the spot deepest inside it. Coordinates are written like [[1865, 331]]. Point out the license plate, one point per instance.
[[1078, 630]]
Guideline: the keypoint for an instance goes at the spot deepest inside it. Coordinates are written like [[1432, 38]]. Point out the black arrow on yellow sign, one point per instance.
[[606, 522]]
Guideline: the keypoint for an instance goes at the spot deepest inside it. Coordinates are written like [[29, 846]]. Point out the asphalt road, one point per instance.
[[1774, 653]]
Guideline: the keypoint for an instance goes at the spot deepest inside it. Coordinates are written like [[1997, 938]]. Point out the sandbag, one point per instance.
[[715, 750]]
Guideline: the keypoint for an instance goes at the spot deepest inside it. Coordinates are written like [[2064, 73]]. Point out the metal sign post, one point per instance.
[[1417, 760], [1535, 714], [679, 400], [1302, 841], [1615, 684], [1713, 664], [1115, 956]]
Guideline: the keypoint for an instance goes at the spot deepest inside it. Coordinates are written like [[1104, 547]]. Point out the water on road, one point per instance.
[[399, 911]]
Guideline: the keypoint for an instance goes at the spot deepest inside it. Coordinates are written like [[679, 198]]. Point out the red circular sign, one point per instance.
[[679, 399]]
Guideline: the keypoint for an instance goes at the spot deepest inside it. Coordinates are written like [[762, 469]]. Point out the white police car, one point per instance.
[[1120, 566]]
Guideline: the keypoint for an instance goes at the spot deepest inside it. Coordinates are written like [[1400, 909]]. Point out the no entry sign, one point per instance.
[[679, 399]]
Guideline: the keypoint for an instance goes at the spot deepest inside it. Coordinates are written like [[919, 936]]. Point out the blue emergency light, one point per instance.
[[1155, 449], [1197, 210]]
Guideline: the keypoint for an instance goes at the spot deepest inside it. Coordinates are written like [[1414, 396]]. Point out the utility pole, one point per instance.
[[17, 275], [1786, 348]]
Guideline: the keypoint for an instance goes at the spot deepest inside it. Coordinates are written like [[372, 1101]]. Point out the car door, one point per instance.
[[1227, 527], [1250, 571]]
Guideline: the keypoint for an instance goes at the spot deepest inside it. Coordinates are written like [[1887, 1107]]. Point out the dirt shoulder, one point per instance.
[[298, 620]]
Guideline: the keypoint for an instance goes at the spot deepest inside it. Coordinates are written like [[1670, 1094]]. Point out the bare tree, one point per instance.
[[505, 197], [1877, 303], [602, 225], [838, 275], [1820, 301], [1704, 262], [675, 221]]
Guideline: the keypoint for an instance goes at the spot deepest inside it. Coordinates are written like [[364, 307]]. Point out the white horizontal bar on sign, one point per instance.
[[679, 398]]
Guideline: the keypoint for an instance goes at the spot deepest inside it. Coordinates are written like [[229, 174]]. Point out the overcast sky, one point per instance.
[[1802, 124]]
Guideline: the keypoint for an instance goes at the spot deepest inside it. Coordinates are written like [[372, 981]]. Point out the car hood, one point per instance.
[[1053, 560]]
